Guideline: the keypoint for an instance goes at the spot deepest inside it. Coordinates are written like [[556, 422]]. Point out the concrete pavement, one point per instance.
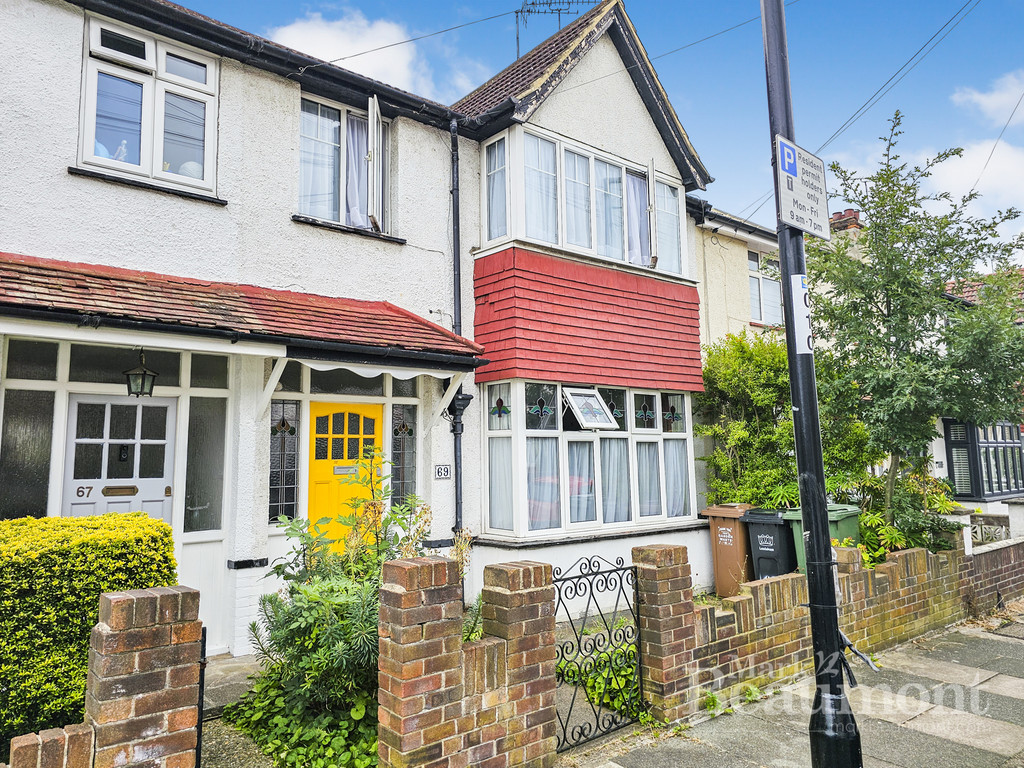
[[950, 700]]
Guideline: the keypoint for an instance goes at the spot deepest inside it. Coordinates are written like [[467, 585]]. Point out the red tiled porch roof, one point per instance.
[[185, 304]]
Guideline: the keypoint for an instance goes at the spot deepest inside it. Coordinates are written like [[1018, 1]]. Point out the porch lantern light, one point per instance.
[[140, 380]]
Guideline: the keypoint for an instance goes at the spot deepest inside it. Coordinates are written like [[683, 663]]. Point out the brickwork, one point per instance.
[[449, 704], [762, 636], [142, 692], [996, 573]]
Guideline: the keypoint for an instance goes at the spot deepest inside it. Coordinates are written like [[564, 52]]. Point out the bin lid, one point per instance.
[[836, 512], [726, 510], [764, 517]]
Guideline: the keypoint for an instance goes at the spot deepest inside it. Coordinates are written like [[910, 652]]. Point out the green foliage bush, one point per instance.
[[745, 409], [314, 702], [52, 573]]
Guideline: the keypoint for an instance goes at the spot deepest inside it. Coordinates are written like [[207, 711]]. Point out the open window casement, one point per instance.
[[589, 408], [375, 163], [652, 213]]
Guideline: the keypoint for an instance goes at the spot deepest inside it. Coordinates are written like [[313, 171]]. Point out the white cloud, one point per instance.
[[998, 102], [402, 66], [999, 185]]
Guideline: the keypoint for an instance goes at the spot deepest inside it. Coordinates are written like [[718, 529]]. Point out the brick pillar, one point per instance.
[[667, 631], [519, 607], [143, 687], [421, 666]]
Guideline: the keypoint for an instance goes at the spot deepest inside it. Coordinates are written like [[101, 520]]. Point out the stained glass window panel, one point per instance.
[[673, 413], [541, 406], [403, 451], [645, 412], [499, 411], [616, 400]]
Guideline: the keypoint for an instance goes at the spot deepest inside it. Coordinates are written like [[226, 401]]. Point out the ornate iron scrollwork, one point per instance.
[[598, 682]]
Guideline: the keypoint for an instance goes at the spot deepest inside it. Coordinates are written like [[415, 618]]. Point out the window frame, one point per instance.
[[516, 431], [992, 461], [516, 194], [151, 73], [378, 139], [760, 277]]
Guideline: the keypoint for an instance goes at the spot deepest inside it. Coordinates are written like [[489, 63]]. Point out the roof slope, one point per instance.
[[184, 304], [515, 93]]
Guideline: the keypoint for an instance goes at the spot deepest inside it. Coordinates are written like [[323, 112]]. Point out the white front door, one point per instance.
[[119, 456]]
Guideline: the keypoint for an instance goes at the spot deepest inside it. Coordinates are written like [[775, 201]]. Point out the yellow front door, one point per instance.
[[339, 435]]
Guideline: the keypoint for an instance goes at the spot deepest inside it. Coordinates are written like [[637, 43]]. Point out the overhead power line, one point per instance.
[[911, 63], [998, 139], [404, 42]]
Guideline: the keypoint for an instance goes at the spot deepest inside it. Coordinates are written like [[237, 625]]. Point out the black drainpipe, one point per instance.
[[461, 400]]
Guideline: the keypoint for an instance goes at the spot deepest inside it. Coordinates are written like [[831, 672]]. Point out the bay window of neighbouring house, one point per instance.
[[343, 165], [984, 462], [590, 204], [574, 458], [765, 289], [149, 108]]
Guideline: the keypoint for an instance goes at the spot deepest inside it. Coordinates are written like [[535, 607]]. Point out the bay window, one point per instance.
[[588, 203], [984, 462], [150, 108], [563, 459], [343, 165]]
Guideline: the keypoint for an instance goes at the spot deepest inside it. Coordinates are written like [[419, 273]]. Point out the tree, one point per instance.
[[914, 326]]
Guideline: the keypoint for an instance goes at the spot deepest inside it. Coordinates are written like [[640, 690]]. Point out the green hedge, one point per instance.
[[52, 572]]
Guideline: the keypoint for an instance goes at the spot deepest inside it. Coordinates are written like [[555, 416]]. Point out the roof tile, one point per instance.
[[46, 284]]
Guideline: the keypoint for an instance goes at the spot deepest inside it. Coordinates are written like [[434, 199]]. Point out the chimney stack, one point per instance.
[[848, 219]]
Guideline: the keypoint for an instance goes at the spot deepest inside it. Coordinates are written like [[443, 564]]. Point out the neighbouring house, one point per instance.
[[276, 239], [272, 235]]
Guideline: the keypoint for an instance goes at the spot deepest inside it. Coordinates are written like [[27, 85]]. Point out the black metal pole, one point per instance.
[[835, 740]]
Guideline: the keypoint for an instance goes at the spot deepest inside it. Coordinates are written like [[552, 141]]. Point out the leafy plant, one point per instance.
[[314, 701], [712, 703], [611, 681], [752, 694], [902, 345]]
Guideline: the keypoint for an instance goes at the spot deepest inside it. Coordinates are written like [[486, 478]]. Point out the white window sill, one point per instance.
[[141, 184], [560, 537]]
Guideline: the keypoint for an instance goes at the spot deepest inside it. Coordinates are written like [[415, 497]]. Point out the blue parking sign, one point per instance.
[[787, 155]]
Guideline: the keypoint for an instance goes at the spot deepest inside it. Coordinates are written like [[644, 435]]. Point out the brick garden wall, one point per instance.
[[449, 704], [490, 703], [996, 574], [142, 694]]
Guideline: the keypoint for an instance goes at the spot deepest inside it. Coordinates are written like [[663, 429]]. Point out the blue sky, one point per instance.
[[961, 94]]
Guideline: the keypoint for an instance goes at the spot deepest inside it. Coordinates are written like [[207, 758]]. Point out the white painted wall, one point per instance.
[[597, 104], [564, 554]]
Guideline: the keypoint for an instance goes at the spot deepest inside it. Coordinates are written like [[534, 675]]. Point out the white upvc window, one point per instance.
[[765, 289], [150, 108], [496, 190], [562, 194], [549, 471], [343, 166]]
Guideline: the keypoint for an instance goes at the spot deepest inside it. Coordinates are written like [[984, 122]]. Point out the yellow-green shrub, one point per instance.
[[52, 572]]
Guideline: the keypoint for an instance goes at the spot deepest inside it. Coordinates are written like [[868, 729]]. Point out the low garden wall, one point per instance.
[[142, 694], [449, 704]]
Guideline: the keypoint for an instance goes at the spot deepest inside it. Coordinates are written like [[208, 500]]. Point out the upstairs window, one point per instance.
[[343, 165], [150, 108], [765, 289], [573, 198]]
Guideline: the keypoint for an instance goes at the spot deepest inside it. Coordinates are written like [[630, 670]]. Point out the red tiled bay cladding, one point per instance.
[[543, 317], [45, 284]]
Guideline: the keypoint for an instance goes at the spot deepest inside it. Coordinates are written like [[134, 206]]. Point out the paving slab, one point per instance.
[[908, 748], [972, 730], [944, 671], [1004, 685], [1014, 630]]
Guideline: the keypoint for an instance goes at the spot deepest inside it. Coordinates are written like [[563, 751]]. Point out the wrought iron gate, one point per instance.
[[598, 683]]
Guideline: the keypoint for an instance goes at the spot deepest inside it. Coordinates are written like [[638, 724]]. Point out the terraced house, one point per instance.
[[310, 271]]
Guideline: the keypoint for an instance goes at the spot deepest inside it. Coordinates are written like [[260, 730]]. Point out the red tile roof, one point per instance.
[[189, 304], [520, 75]]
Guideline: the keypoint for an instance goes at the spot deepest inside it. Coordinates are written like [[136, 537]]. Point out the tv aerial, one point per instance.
[[550, 7]]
